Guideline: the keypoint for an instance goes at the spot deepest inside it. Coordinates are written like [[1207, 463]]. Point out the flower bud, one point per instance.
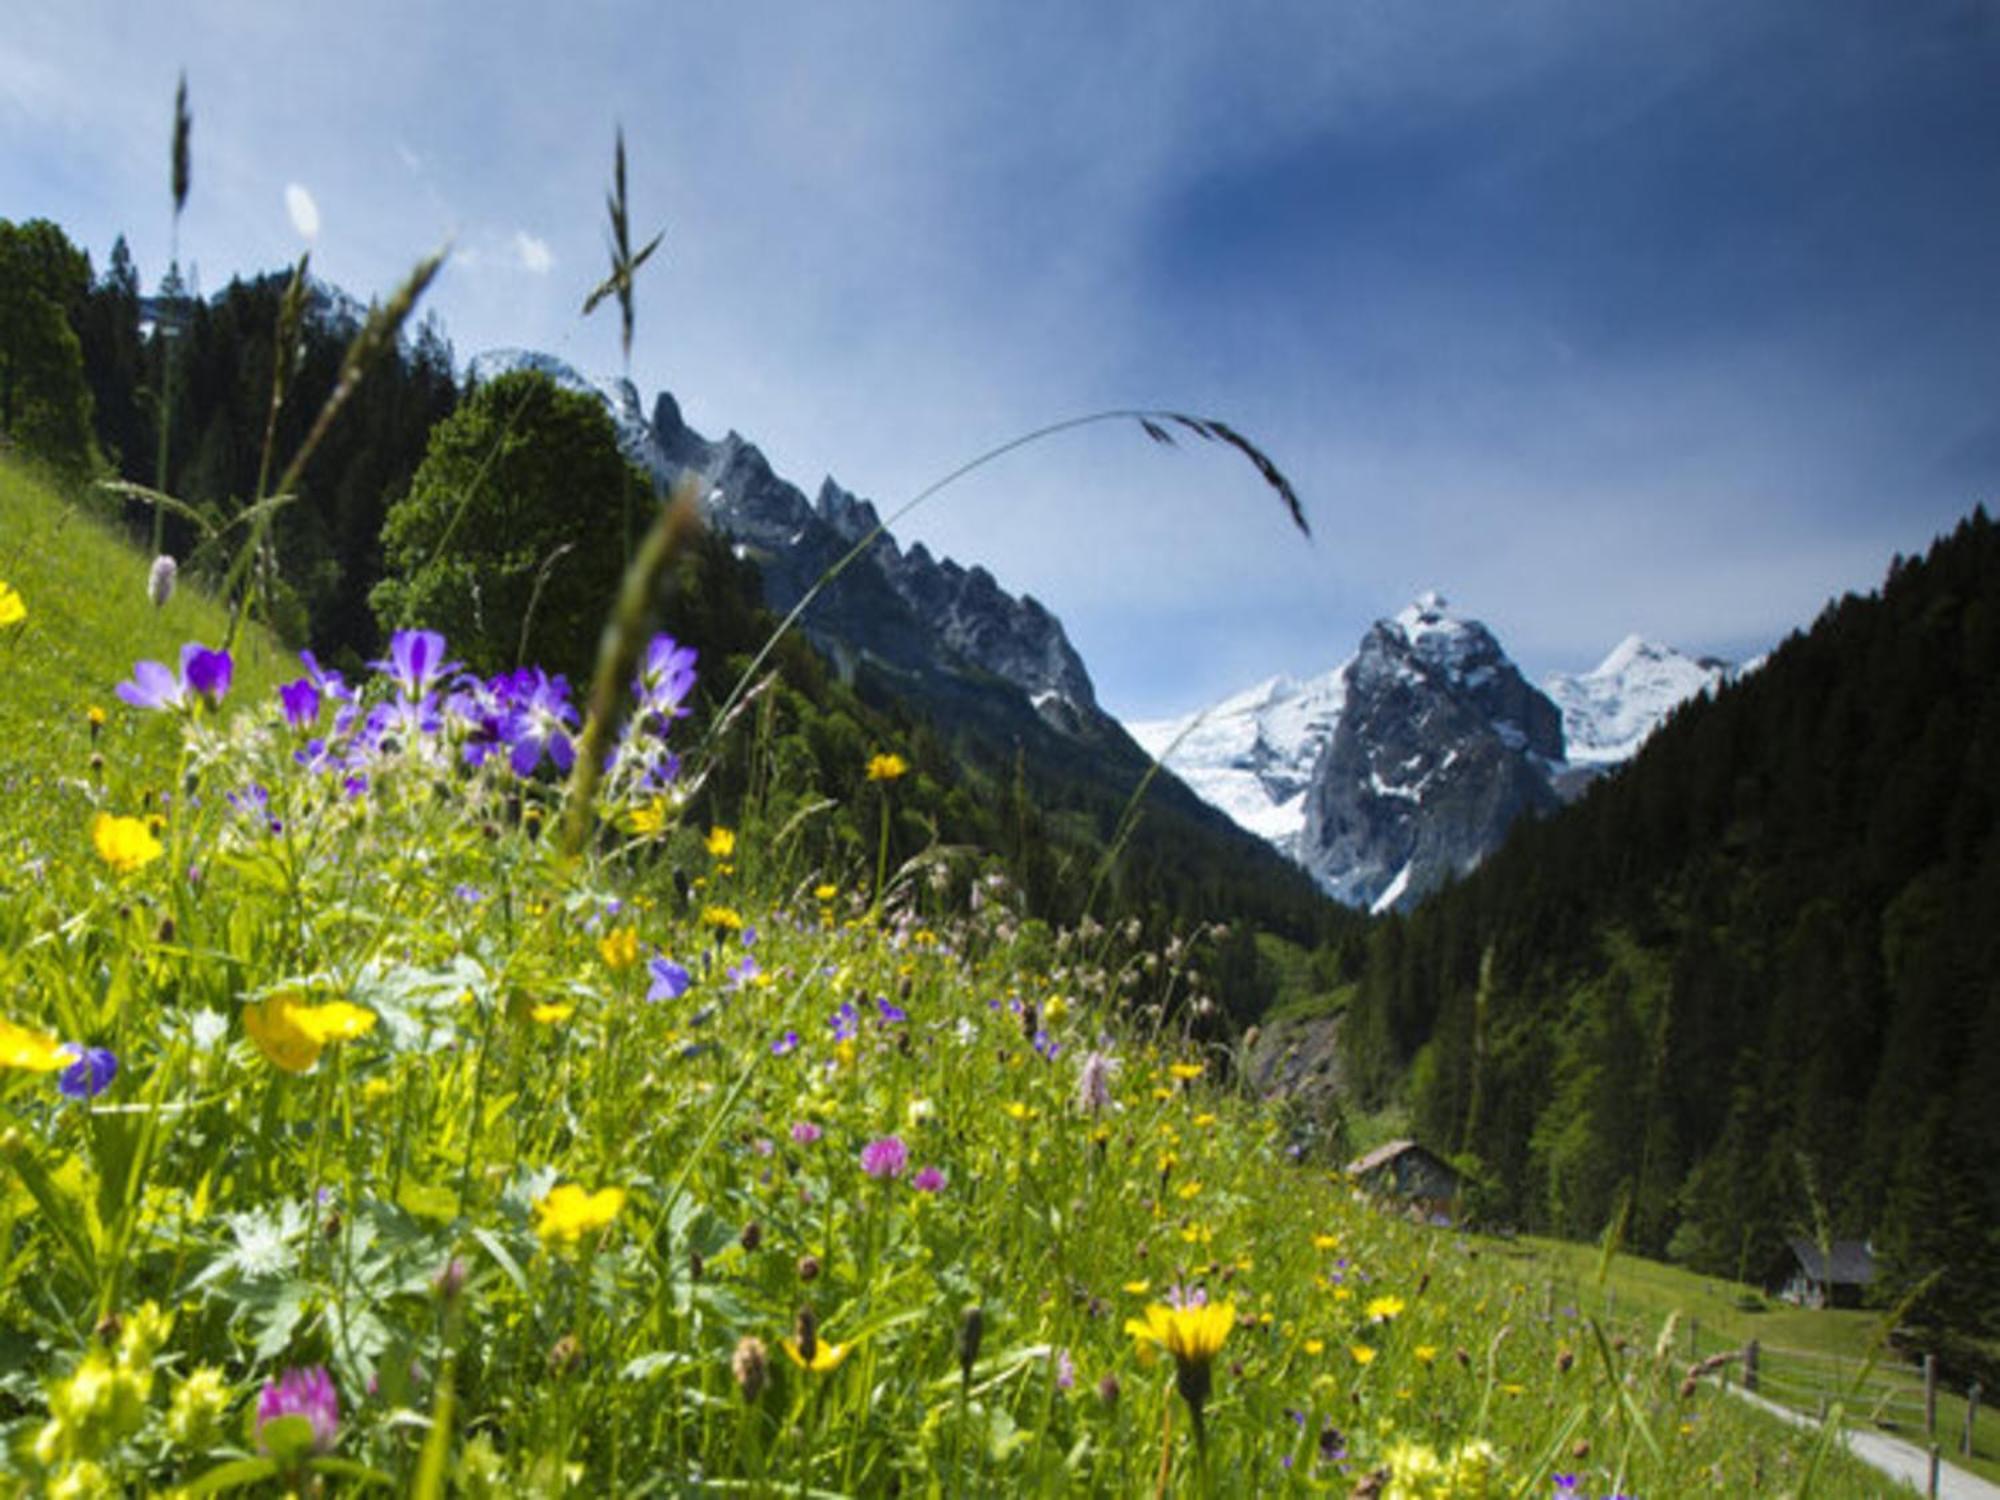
[[751, 1365]]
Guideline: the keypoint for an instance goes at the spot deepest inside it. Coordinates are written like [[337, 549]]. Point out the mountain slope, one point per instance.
[[1609, 710]]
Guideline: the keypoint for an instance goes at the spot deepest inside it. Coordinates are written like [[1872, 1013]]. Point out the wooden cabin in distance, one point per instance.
[[1414, 1175], [1835, 1275]]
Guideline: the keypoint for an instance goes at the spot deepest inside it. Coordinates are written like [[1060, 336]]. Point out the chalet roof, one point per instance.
[[1383, 1154], [1852, 1261]]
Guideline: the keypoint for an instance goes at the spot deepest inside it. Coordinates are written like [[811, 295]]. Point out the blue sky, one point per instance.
[[1670, 318]]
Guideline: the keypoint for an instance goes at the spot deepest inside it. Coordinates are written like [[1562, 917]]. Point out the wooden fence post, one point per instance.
[[1930, 1394], [1971, 1410], [1750, 1366]]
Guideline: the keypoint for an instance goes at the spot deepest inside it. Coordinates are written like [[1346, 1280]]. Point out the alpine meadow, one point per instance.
[[535, 959]]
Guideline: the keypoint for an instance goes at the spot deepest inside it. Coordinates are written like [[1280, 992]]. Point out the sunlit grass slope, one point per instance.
[[356, 1137]]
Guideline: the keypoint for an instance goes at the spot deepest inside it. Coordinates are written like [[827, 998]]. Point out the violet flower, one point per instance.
[[670, 980], [91, 1073], [155, 686], [307, 1393], [885, 1158], [416, 661]]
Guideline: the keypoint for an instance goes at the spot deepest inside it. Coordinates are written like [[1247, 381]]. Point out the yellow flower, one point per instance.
[[650, 818], [272, 1024], [12, 610], [1138, 1288], [125, 844], [825, 892], [619, 948], [1192, 1335], [1014, 1109], [721, 842], [1203, 1121], [567, 1213], [1189, 1189], [1326, 1242], [825, 1356], [1425, 1353], [1186, 1072], [551, 1011], [1055, 1009], [722, 917], [95, 715], [886, 767], [1363, 1355], [292, 1034], [1382, 1309], [30, 1050], [1315, 1346]]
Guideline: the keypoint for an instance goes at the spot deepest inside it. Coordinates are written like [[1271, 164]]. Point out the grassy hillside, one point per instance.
[[359, 1136]]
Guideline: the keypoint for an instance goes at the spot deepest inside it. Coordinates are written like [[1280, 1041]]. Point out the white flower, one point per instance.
[[160, 581]]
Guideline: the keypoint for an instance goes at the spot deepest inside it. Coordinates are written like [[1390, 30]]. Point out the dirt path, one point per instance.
[[1901, 1461]]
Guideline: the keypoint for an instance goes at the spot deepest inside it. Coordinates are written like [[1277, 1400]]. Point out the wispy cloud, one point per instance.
[[533, 255]]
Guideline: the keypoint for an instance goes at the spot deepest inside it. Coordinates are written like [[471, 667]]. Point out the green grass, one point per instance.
[[1804, 1354], [365, 1035]]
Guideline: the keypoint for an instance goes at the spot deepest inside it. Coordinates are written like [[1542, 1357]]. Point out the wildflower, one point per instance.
[[824, 1357], [886, 767], [844, 1022], [1425, 1354], [13, 610], [1186, 1072], [804, 1132], [619, 948], [292, 1034], [891, 1013], [549, 1012], [203, 672], [567, 1213], [751, 1365], [744, 971], [1065, 1370], [300, 703], [665, 679], [929, 1180], [306, 1394], [1193, 1335], [195, 1413], [416, 662], [721, 917], [90, 1072], [160, 580], [784, 1046], [1363, 1355], [720, 843], [125, 844], [30, 1051], [650, 817], [670, 980], [1093, 1083], [1382, 1309], [1138, 1288], [825, 892], [885, 1158]]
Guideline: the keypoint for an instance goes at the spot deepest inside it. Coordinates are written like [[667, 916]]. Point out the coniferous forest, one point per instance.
[[1750, 986]]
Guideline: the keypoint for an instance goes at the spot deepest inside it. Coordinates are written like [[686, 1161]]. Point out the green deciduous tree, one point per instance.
[[45, 405], [513, 534]]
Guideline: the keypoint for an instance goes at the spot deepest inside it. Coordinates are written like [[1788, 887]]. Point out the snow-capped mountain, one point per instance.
[[1609, 710], [1253, 755], [1407, 763]]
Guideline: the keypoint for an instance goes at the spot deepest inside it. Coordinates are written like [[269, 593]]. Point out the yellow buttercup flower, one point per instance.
[[272, 1025], [721, 842], [550, 1011], [567, 1213], [125, 844], [886, 767], [292, 1034], [1186, 1072], [1363, 1355], [95, 715], [30, 1051], [619, 948], [1138, 1288], [13, 610], [1425, 1353], [825, 892]]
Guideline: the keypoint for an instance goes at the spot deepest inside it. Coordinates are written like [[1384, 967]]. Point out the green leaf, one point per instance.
[[288, 1438], [236, 1474]]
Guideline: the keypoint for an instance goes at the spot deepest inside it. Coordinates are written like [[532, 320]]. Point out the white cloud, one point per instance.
[[532, 254], [304, 212]]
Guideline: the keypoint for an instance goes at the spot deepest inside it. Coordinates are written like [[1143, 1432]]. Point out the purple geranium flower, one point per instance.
[[782, 1047], [416, 661], [891, 1013], [666, 677], [885, 1158], [844, 1021], [91, 1073], [154, 686], [300, 702], [741, 973], [307, 1393], [670, 980]]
